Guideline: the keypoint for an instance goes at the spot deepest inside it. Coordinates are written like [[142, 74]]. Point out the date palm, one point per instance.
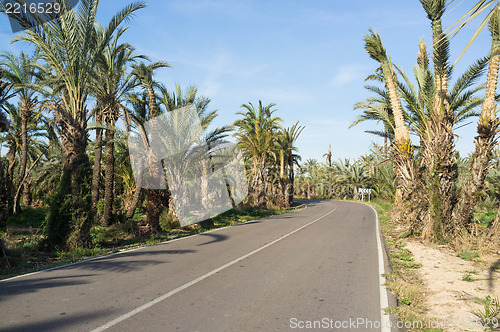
[[143, 74], [378, 109], [408, 180], [436, 133], [438, 140], [204, 154], [487, 129], [69, 47], [287, 138], [12, 139], [19, 72], [136, 114], [5, 94], [5, 184], [256, 138], [112, 83]]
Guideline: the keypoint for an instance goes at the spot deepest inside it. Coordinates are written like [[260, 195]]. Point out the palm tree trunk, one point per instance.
[[109, 178], [4, 194], [291, 180], [135, 201], [261, 186], [96, 171], [70, 214], [154, 208], [487, 130], [407, 177], [439, 147], [10, 174], [155, 204], [26, 193], [24, 145]]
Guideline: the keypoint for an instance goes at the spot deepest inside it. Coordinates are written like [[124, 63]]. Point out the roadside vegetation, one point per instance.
[[67, 107]]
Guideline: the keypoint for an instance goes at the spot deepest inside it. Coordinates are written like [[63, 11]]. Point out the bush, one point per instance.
[[168, 221], [34, 217]]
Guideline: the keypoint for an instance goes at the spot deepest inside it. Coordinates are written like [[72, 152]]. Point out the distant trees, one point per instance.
[[268, 149]]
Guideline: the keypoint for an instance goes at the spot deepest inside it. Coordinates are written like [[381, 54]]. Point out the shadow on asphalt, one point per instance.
[[61, 322], [216, 238], [20, 286], [122, 263], [309, 202]]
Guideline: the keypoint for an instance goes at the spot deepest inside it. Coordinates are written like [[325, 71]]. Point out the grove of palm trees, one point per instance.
[[66, 111], [437, 191]]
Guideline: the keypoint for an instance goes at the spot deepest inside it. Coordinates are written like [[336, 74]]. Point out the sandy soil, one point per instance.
[[449, 298]]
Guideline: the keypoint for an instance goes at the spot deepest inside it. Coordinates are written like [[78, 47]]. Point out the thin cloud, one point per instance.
[[349, 73]]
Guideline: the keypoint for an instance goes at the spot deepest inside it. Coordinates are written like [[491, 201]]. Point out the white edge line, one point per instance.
[[195, 281], [384, 301], [134, 249]]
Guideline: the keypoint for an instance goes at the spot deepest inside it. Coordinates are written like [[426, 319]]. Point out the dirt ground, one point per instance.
[[452, 285]]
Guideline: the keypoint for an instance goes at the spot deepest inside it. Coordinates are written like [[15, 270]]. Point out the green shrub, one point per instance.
[[34, 217], [468, 255]]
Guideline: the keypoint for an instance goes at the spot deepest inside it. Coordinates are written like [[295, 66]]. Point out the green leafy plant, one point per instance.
[[490, 313], [468, 255], [467, 277], [405, 301]]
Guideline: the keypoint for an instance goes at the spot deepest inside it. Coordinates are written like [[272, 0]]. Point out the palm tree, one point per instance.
[[19, 72], [13, 140], [377, 108], [69, 47], [487, 129], [138, 113], [111, 86], [408, 181], [286, 148], [5, 183], [5, 94], [256, 138], [144, 75], [206, 142]]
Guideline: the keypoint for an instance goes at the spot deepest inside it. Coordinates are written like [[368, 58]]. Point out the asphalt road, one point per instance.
[[277, 274]]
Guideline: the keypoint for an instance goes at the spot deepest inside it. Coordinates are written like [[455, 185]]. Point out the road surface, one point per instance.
[[317, 267]]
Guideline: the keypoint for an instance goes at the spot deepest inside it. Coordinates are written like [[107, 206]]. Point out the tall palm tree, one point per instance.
[[5, 94], [137, 114], [69, 47], [377, 108], [286, 144], [256, 138], [193, 148], [13, 141], [111, 86], [438, 140], [408, 180], [144, 75], [19, 72], [5, 183], [487, 129]]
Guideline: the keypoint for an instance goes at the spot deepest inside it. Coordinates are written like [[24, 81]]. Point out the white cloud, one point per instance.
[[349, 73]]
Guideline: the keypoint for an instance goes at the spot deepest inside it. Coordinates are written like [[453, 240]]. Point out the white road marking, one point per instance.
[[384, 301], [195, 281]]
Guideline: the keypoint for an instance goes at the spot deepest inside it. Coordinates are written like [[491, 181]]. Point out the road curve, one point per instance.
[[317, 267]]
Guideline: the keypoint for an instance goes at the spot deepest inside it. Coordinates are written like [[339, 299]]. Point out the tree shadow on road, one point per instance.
[[21, 286], [216, 238], [64, 322]]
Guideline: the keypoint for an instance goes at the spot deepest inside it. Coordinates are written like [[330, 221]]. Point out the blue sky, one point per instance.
[[307, 57]]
